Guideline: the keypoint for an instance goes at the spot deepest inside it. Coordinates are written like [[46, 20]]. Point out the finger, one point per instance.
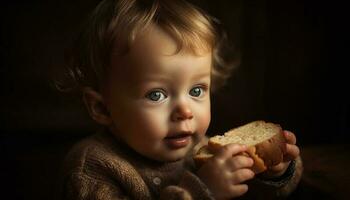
[[229, 150], [292, 152], [239, 161], [242, 175], [278, 168], [290, 137], [238, 190]]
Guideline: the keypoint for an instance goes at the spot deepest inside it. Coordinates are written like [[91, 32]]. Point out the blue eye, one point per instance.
[[196, 91], [156, 96]]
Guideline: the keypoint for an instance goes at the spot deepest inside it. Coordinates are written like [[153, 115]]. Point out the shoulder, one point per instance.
[[82, 150], [96, 154], [98, 163]]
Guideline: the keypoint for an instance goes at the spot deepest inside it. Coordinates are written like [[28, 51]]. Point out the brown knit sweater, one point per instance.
[[101, 168]]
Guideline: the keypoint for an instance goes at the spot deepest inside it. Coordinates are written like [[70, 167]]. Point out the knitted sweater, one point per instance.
[[100, 168]]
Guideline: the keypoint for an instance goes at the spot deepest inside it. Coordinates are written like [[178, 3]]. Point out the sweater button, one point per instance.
[[157, 181]]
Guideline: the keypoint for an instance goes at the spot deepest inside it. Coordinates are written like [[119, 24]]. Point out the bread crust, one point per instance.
[[202, 156], [265, 154], [268, 153]]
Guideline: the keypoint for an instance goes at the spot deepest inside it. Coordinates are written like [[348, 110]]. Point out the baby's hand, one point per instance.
[[226, 171], [291, 152]]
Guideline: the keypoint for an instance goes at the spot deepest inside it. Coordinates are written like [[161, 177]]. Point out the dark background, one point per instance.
[[294, 59]]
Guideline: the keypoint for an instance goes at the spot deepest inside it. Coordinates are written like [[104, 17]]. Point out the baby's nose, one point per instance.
[[182, 113]]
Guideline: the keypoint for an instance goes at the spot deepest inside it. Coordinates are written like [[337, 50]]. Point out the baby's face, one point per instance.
[[159, 100]]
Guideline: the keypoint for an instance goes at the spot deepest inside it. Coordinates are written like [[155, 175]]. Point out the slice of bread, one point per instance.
[[265, 143]]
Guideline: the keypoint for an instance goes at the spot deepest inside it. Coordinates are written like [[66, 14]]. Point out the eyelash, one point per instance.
[[159, 92], [203, 89], [158, 95]]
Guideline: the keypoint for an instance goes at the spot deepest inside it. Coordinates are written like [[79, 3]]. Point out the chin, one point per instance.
[[176, 155], [175, 158], [168, 155]]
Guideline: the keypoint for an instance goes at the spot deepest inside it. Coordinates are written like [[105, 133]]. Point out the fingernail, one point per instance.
[[286, 132], [252, 161]]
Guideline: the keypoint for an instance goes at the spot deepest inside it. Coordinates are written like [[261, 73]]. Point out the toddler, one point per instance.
[[145, 69]]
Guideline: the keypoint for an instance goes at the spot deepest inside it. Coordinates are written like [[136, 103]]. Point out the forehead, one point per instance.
[[155, 47], [154, 41], [154, 37]]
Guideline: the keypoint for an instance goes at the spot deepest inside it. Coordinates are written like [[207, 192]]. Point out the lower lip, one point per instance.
[[177, 143]]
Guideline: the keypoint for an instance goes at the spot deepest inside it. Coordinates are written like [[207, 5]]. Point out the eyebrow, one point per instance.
[[158, 77], [202, 75], [165, 78]]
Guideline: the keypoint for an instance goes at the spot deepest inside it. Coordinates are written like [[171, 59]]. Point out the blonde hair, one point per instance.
[[119, 21]]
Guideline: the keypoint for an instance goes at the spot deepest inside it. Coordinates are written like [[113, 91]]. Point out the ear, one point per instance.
[[96, 106]]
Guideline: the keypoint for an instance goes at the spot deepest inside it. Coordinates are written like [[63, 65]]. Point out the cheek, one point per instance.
[[153, 122], [141, 121], [204, 118]]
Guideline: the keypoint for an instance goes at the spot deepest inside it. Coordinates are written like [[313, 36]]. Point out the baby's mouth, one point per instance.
[[178, 140]]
